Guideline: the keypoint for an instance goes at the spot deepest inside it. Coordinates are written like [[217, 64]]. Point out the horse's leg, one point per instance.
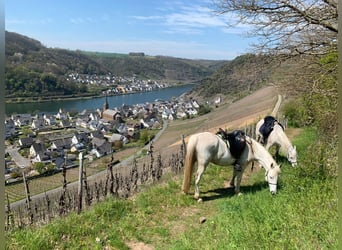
[[268, 145], [238, 180], [233, 178], [200, 170], [276, 156]]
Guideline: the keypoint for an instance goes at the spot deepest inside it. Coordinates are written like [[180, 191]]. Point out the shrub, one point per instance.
[[39, 167], [204, 109], [296, 114]]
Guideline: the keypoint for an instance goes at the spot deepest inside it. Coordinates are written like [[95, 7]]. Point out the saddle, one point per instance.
[[236, 141], [267, 127]]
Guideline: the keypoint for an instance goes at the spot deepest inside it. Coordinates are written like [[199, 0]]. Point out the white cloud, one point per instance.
[[43, 21], [190, 19], [81, 20], [148, 17]]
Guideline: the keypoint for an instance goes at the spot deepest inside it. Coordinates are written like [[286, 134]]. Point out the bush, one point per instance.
[[14, 174], [39, 167], [145, 136], [204, 109], [296, 114], [117, 144]]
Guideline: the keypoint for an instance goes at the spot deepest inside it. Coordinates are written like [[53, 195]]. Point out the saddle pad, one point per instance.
[[267, 127], [237, 142]]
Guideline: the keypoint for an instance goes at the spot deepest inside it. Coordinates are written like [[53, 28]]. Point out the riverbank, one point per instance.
[[43, 99], [96, 102]]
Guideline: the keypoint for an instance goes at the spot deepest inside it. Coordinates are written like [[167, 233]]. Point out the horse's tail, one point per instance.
[[190, 159]]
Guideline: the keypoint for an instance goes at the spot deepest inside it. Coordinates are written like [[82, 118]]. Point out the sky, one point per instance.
[[178, 28]]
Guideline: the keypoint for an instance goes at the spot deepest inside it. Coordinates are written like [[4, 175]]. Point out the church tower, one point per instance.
[[105, 105]]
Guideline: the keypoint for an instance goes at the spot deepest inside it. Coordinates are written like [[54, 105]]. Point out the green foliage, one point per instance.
[[39, 167], [320, 98], [145, 136], [204, 109], [50, 168], [295, 112]]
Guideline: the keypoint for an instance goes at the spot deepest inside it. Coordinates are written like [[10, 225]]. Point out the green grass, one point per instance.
[[303, 214]]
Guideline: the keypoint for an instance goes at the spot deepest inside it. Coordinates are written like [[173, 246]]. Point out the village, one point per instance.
[[46, 143], [117, 84]]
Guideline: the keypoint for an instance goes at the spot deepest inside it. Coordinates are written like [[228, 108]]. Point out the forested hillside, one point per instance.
[[243, 74], [32, 69]]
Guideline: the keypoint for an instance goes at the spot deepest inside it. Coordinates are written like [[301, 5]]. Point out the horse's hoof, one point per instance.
[[200, 200], [239, 194]]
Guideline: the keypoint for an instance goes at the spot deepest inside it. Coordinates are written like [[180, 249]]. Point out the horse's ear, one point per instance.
[[294, 147], [279, 165]]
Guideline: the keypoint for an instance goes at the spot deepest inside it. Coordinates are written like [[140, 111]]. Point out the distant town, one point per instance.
[[117, 84], [39, 143]]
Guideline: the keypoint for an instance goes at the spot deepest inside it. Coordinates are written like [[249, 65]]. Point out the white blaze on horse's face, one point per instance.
[[292, 156], [272, 178]]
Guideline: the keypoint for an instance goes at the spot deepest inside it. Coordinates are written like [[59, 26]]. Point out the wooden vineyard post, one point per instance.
[[62, 204], [80, 182], [28, 199]]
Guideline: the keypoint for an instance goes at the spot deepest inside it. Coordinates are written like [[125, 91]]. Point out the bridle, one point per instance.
[[270, 183]]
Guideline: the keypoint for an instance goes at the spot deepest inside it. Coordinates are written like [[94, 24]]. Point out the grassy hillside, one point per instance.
[[303, 214]]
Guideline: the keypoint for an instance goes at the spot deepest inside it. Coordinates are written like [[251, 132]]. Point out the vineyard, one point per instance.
[[119, 182]]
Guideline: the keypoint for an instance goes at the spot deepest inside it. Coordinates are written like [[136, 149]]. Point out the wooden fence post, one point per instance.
[[28, 199], [10, 216], [48, 207], [80, 183], [62, 205]]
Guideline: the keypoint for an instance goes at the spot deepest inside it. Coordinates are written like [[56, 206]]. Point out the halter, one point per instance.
[[270, 183]]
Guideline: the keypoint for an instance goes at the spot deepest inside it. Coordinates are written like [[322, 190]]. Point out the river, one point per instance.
[[97, 102]]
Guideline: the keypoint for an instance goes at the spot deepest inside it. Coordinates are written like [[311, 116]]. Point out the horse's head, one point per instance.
[[271, 177], [292, 155]]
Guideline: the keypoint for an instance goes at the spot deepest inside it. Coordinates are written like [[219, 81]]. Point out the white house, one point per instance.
[[37, 124]]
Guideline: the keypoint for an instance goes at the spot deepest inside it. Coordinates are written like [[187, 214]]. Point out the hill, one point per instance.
[[241, 76], [33, 69]]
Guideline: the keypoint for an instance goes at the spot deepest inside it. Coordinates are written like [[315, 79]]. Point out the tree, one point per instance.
[[286, 27], [39, 167]]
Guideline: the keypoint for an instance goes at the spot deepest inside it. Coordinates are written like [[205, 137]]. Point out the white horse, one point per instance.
[[207, 147], [278, 138]]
